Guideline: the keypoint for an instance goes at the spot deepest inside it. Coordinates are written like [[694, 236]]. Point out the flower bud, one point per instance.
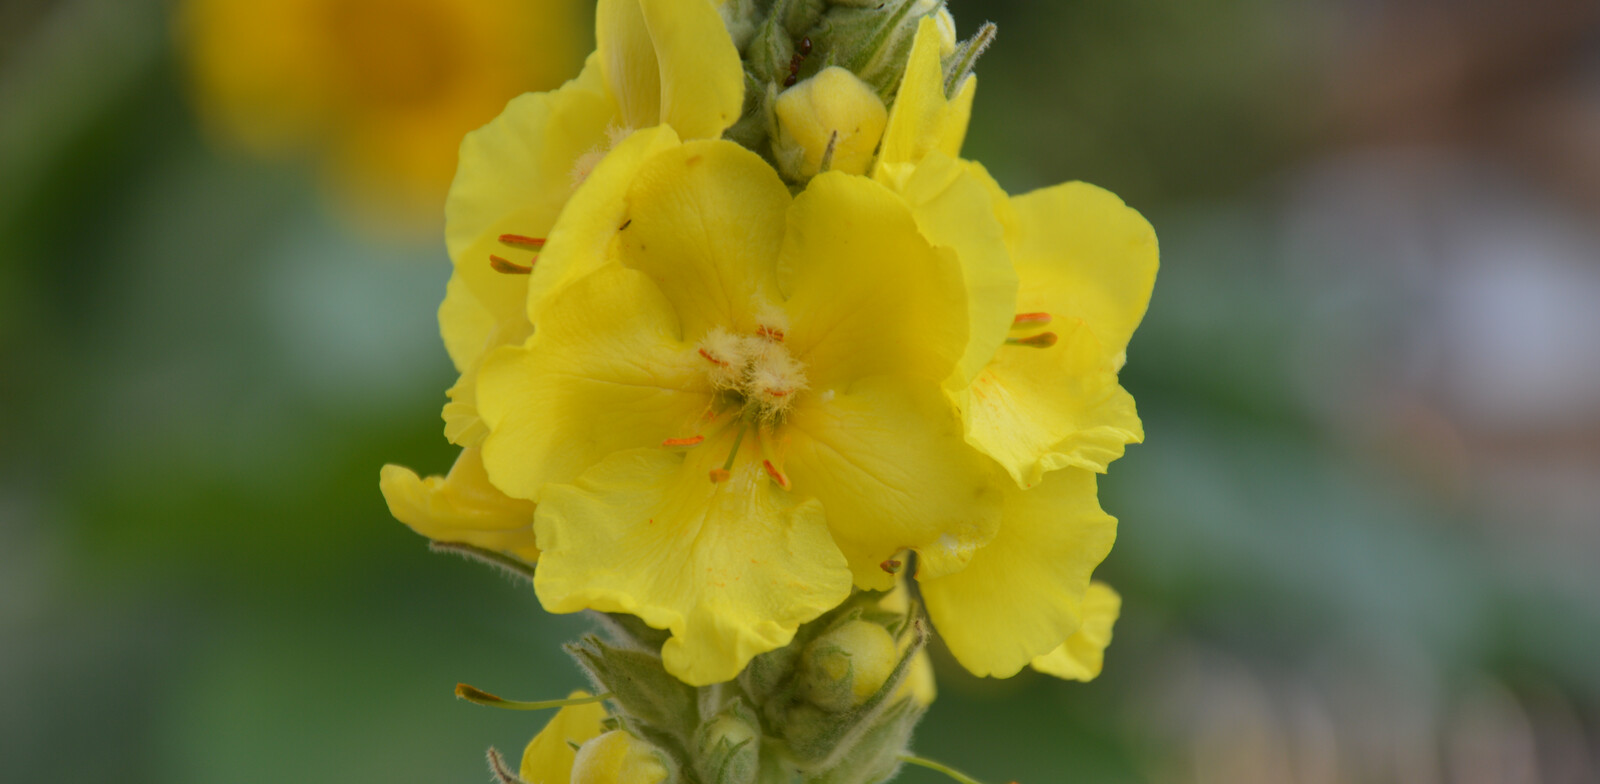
[[728, 750], [832, 109], [846, 666], [618, 757]]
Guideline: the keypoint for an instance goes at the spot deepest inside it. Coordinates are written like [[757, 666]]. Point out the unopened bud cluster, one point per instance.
[[821, 75], [832, 707]]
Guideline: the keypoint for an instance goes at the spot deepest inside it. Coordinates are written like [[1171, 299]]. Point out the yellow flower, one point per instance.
[[1044, 396], [739, 406], [549, 757], [657, 61], [833, 115], [379, 91]]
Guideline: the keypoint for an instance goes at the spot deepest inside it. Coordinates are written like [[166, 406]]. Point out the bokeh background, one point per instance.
[[1362, 542]]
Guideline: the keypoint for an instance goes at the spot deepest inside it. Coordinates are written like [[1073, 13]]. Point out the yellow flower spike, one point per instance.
[[619, 757], [549, 758], [832, 115], [1023, 593], [795, 351], [1080, 658], [461, 507], [1050, 398]]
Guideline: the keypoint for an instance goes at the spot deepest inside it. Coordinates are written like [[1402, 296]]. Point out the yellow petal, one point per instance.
[[461, 507], [954, 208], [606, 371], [1081, 656], [583, 238], [670, 62], [1039, 409], [867, 294], [953, 131], [1081, 253], [470, 331], [464, 323], [886, 458], [1023, 593], [922, 119], [513, 177], [548, 757], [731, 568], [705, 222]]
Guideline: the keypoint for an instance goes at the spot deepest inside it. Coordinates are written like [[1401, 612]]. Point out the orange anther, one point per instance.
[[777, 476], [892, 566], [508, 267], [686, 441], [714, 360], [1030, 320], [521, 241], [1041, 340], [771, 333], [720, 475]]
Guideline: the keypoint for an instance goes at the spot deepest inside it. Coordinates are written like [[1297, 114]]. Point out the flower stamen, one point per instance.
[[777, 476], [722, 474], [522, 241], [1041, 340], [1024, 320], [508, 267], [683, 443]]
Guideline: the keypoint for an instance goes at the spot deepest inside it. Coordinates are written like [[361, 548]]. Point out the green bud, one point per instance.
[[619, 757], [848, 665], [728, 746]]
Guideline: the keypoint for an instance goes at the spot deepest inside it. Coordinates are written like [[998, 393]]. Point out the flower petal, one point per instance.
[[706, 221], [955, 209], [513, 177], [464, 323], [1039, 409], [581, 241], [886, 458], [670, 62], [1023, 593], [461, 507], [1081, 253], [923, 119], [1081, 656], [549, 756], [607, 371], [867, 294], [731, 568]]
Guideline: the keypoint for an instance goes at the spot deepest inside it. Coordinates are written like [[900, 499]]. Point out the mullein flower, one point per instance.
[[377, 92], [657, 61], [1044, 397], [740, 408], [549, 757]]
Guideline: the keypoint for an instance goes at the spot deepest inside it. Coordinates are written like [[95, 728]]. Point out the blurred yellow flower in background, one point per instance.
[[377, 92]]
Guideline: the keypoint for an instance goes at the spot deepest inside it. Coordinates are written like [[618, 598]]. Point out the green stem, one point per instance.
[[478, 696], [939, 766]]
